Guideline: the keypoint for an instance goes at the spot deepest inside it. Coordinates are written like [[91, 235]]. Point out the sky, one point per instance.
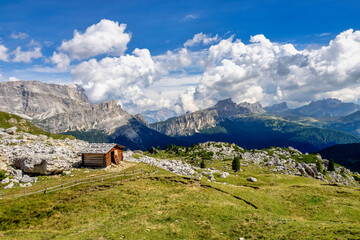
[[186, 55]]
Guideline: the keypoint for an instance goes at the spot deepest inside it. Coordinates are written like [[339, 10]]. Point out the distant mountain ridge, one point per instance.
[[162, 114], [191, 123], [66, 109], [330, 107], [249, 126], [277, 108]]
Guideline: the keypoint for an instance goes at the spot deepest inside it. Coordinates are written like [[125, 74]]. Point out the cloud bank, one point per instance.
[[261, 70], [257, 70]]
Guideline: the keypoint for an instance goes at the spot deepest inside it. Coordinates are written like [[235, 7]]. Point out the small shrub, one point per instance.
[[319, 166], [236, 164], [2, 175], [356, 177]]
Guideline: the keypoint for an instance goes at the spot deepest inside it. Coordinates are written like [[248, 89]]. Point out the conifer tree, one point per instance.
[[331, 166], [236, 164], [202, 164]]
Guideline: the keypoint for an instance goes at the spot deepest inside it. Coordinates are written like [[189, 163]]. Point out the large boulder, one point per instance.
[[11, 131], [40, 164]]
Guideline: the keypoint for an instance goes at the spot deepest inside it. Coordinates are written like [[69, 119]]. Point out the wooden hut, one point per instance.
[[102, 154]]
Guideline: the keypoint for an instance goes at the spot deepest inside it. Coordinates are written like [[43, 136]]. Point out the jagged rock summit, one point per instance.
[[277, 108], [191, 123]]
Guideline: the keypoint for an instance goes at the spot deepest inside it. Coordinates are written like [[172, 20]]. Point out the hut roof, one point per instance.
[[101, 148]]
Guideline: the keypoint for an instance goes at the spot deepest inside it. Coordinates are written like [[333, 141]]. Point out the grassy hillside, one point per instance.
[[166, 206], [8, 120]]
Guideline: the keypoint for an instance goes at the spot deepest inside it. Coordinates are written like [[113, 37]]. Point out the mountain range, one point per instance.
[[330, 107], [67, 110]]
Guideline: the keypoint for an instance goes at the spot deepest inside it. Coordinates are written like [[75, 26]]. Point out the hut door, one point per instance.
[[113, 157]]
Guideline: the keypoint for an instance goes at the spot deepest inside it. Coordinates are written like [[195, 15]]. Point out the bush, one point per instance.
[[331, 166], [202, 164], [357, 178], [236, 164], [319, 166], [2, 175]]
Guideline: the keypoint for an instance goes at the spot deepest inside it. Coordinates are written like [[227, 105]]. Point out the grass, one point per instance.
[[166, 206], [8, 120]]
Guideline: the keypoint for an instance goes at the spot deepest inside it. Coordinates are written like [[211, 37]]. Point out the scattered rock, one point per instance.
[[25, 185], [211, 178], [5, 180], [224, 175], [10, 185], [251, 179], [28, 179], [138, 152]]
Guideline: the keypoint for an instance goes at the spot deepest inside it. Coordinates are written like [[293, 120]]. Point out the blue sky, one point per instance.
[[161, 26]]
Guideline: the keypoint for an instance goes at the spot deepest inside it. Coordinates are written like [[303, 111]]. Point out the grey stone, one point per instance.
[[10, 185], [28, 179], [138, 152], [16, 173], [11, 131], [211, 178], [5, 180], [25, 185], [40, 164], [224, 175], [251, 179]]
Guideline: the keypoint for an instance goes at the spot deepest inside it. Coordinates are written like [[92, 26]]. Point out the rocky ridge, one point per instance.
[[23, 155], [288, 161]]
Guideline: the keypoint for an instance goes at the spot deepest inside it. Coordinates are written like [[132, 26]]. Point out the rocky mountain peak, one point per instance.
[[252, 107], [226, 106], [140, 119], [277, 108], [328, 101], [109, 104]]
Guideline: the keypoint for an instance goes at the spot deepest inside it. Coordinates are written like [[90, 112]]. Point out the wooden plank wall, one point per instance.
[[94, 160]]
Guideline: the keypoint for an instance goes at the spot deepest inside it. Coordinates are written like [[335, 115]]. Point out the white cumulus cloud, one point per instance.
[[61, 60], [105, 37], [4, 53], [26, 56], [115, 77], [201, 38], [271, 72]]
